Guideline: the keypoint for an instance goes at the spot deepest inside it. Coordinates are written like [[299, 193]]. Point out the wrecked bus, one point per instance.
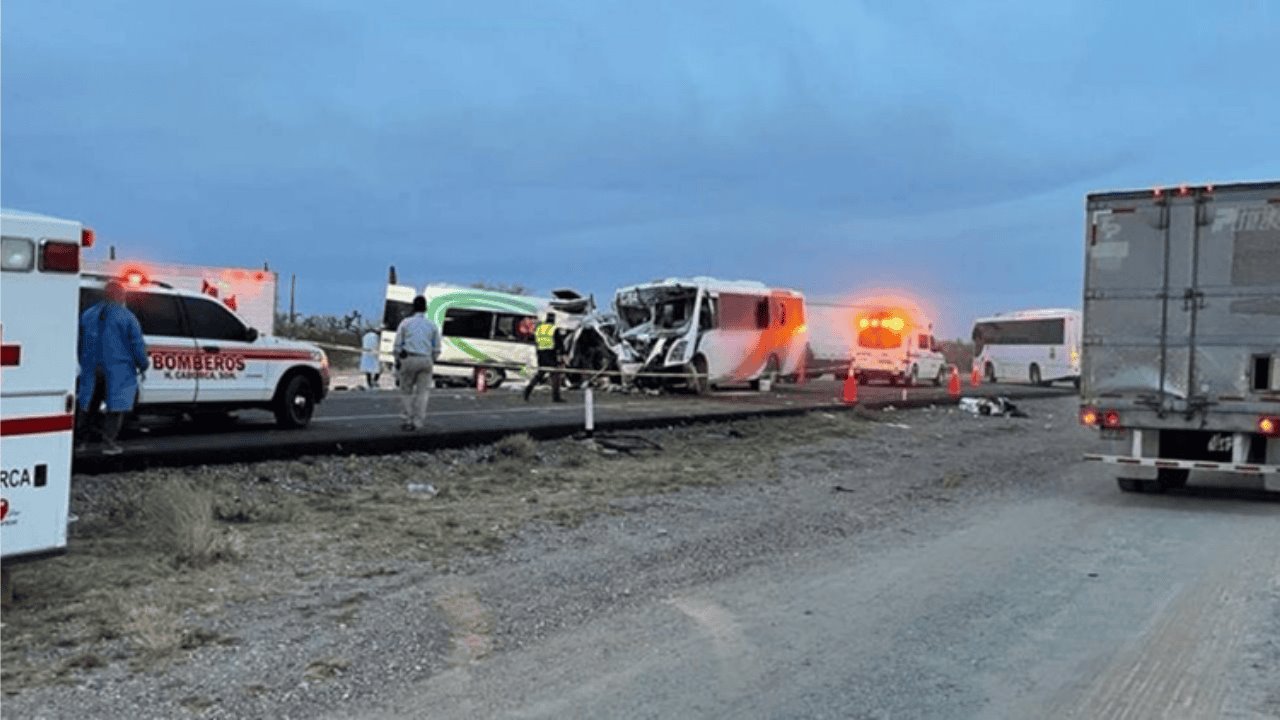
[[709, 332], [1181, 346]]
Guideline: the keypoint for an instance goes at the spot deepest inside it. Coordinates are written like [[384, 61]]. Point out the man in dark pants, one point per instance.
[[112, 359], [550, 345]]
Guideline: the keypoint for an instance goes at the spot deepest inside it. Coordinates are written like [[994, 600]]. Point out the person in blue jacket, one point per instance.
[[113, 357]]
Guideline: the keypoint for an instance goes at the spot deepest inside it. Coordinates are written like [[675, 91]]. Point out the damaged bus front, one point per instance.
[[701, 332]]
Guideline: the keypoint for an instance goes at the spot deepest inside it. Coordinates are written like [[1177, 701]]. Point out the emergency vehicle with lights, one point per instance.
[[1035, 346], [896, 345], [40, 271], [1181, 334], [250, 293], [206, 360]]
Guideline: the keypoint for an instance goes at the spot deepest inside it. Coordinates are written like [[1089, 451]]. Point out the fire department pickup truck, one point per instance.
[[206, 361]]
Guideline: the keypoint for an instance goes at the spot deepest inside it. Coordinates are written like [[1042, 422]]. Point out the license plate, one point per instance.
[[1221, 443]]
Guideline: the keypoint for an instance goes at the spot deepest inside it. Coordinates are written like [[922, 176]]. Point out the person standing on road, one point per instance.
[[549, 344], [416, 348], [113, 359], [369, 364]]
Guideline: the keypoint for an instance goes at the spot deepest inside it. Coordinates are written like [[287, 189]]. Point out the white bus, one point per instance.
[[712, 331], [477, 327], [1035, 346], [39, 328]]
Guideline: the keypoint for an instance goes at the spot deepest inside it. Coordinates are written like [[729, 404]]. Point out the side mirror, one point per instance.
[[251, 335]]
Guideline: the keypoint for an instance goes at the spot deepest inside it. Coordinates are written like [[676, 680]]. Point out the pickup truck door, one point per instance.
[[170, 348], [232, 369]]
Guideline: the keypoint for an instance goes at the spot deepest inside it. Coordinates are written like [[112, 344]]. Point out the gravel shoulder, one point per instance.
[[340, 585]]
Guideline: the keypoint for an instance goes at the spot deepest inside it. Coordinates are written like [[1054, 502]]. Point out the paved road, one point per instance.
[[359, 421], [1080, 603]]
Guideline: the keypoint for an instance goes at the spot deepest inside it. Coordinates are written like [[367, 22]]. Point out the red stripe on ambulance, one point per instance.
[[36, 425]]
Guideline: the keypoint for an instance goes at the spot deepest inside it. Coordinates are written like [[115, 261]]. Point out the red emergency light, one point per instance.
[[86, 237], [134, 278]]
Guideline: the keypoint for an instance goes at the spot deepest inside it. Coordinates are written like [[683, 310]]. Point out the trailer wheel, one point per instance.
[[1034, 372], [1131, 485], [295, 403]]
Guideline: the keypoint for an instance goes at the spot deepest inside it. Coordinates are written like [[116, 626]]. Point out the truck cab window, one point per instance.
[[210, 321], [158, 314]]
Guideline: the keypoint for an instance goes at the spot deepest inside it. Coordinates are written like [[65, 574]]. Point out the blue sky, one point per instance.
[[942, 149]]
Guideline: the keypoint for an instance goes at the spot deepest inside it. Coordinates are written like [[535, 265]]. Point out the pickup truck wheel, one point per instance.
[[1034, 372], [296, 403]]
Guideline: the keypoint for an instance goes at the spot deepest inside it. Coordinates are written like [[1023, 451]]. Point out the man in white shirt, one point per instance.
[[416, 348], [369, 364]]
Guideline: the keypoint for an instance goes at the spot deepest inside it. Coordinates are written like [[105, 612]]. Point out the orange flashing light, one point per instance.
[[1088, 417]]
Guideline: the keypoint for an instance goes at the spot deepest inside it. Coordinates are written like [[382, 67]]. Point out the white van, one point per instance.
[[1035, 346], [711, 331], [476, 326], [896, 345], [39, 328]]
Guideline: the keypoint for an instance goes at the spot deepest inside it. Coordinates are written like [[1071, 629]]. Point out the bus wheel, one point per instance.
[[1034, 372], [990, 372], [699, 382], [493, 378], [770, 373]]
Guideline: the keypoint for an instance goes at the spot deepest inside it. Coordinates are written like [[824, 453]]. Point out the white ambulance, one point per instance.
[[38, 331], [896, 344], [207, 361]]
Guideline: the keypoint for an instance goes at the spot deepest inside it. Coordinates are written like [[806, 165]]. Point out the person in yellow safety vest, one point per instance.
[[549, 348]]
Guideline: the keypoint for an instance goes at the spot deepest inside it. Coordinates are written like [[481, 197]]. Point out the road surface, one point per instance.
[[369, 421]]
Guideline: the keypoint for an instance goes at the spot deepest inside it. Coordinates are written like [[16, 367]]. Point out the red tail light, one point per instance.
[[1111, 419], [1088, 417], [1269, 425], [60, 257], [86, 237]]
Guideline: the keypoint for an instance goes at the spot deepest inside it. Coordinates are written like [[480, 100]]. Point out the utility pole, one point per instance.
[[293, 289]]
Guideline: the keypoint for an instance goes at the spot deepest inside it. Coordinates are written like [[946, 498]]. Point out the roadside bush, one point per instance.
[[515, 447], [178, 517]]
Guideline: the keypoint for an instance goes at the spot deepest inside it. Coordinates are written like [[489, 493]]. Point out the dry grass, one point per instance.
[[150, 544], [178, 517]]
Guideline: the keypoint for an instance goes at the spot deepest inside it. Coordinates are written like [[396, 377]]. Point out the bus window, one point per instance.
[[513, 328], [468, 324]]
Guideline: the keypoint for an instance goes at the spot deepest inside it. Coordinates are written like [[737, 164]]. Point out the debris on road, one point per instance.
[[1000, 406]]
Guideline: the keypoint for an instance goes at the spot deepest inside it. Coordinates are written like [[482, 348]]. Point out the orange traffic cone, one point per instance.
[[953, 385], [849, 393], [975, 377], [480, 381]]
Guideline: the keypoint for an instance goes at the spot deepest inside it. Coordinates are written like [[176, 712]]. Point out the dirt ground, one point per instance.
[[269, 590]]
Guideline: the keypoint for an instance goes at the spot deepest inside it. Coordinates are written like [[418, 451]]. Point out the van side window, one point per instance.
[[158, 314], [467, 324], [210, 321], [513, 328], [762, 313]]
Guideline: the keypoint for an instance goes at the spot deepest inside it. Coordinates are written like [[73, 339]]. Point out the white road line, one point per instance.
[[498, 411]]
